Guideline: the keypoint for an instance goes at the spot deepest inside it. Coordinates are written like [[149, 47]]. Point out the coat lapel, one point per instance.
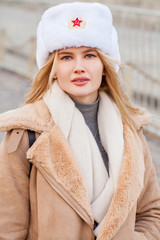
[[52, 156], [130, 184]]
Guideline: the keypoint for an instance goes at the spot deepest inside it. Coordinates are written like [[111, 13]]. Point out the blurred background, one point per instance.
[[138, 26]]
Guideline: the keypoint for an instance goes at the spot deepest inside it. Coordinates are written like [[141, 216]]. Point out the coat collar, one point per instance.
[[62, 167], [33, 116], [52, 155], [36, 117], [56, 163], [130, 184]]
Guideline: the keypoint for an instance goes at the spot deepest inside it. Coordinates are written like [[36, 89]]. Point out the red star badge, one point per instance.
[[77, 22]]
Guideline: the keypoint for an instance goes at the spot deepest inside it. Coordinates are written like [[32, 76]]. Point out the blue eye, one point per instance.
[[90, 55], [66, 57]]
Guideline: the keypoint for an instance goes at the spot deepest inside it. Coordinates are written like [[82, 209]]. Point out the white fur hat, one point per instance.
[[76, 24]]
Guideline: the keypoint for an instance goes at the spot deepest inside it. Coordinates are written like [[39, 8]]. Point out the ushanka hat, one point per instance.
[[76, 24]]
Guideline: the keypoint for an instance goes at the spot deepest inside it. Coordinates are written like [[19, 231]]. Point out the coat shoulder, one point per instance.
[[141, 118], [33, 116]]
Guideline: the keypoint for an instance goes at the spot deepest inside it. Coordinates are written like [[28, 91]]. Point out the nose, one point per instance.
[[79, 66]]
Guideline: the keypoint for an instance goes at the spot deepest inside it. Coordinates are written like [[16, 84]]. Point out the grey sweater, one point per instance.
[[89, 112]]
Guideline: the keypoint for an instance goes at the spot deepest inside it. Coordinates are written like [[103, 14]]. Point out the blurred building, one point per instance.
[[138, 26]]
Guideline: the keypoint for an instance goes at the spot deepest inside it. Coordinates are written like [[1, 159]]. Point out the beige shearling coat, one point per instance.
[[52, 203]]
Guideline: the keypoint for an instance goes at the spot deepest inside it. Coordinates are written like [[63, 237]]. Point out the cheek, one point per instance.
[[99, 71], [59, 72], [99, 75], [62, 72], [99, 67], [62, 76]]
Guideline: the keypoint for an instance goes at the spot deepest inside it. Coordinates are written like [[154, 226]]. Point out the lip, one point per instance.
[[80, 81]]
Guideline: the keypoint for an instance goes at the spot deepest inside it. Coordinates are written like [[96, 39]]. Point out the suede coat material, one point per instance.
[[52, 203]]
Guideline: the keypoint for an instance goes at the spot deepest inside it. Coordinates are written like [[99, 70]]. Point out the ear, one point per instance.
[[55, 76]]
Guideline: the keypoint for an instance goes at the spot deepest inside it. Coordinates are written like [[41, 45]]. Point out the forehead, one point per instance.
[[76, 50]]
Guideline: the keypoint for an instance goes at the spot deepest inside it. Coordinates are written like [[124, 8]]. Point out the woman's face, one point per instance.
[[79, 73]]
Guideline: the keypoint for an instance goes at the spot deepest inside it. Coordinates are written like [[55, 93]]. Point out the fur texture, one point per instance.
[[71, 122], [136, 193], [53, 32]]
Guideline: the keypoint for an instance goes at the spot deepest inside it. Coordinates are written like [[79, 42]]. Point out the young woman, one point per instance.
[[89, 174]]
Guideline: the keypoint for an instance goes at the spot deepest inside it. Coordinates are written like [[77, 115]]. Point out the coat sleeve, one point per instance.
[[14, 190], [148, 206]]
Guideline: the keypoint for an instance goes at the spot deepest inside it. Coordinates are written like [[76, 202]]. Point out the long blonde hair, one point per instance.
[[110, 84], [43, 80]]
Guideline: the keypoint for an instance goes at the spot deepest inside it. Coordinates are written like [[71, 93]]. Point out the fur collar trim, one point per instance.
[[29, 116], [130, 184], [36, 117], [70, 121], [60, 168], [142, 119]]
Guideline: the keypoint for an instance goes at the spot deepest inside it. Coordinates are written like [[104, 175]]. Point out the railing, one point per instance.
[[12, 55], [139, 38]]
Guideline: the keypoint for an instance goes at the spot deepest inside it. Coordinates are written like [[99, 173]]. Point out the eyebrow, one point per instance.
[[84, 51], [64, 53]]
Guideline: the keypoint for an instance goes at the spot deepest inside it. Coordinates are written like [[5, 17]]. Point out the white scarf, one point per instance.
[[84, 147]]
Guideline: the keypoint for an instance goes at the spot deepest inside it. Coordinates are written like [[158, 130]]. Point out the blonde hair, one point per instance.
[[43, 80], [110, 84]]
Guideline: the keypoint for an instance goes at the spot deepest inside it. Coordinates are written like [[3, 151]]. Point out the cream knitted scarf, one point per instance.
[[71, 122]]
